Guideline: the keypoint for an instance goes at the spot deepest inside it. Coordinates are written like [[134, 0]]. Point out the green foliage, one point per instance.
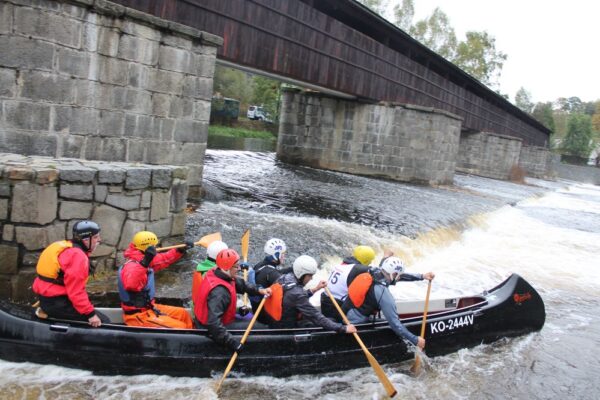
[[266, 93], [570, 105], [478, 56], [218, 130], [233, 83], [596, 118], [523, 100], [578, 141], [404, 14], [378, 6], [436, 33], [544, 114]]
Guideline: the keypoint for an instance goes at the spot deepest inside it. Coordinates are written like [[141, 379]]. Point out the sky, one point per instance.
[[553, 46]]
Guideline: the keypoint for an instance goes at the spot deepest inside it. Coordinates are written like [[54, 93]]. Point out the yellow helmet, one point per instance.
[[143, 239], [364, 254]]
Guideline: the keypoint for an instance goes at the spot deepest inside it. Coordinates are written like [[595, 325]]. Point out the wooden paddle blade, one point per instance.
[[245, 244], [385, 381], [415, 369], [205, 241]]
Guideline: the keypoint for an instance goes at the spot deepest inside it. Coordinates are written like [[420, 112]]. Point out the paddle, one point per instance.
[[245, 245], [204, 241], [235, 354], [389, 387], [416, 367]]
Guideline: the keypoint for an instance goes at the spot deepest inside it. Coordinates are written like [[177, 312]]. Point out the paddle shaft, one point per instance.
[[417, 365], [385, 381], [235, 354], [245, 246]]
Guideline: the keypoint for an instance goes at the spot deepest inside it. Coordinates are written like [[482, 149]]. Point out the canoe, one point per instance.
[[510, 309]]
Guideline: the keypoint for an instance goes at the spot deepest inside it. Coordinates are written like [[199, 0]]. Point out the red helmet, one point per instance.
[[227, 259]]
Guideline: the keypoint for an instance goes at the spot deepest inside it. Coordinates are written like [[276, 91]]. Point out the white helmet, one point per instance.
[[214, 248], [304, 265], [393, 265], [275, 247]]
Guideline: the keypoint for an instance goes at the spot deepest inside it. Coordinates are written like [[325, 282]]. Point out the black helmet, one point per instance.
[[85, 229]]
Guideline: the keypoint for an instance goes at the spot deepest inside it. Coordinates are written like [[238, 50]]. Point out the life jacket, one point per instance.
[[274, 303], [209, 282], [196, 282], [136, 301], [358, 289], [48, 268]]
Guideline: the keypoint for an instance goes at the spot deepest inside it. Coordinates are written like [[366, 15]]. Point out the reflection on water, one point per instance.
[[235, 143], [471, 235]]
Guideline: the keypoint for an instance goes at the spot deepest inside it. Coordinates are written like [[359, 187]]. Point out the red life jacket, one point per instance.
[[274, 303], [358, 289], [209, 282]]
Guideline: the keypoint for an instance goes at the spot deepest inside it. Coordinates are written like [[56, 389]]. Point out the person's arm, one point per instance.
[[241, 286], [315, 316], [163, 260], [406, 277], [75, 266], [387, 306], [218, 302]]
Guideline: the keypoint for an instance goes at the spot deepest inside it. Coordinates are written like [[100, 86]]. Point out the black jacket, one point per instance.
[[295, 302], [218, 302]]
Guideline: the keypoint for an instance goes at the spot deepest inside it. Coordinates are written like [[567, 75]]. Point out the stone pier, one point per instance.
[[95, 80], [401, 142], [42, 197], [488, 154]]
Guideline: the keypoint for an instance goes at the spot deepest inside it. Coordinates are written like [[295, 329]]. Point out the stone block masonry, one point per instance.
[[488, 154], [42, 197], [396, 141], [95, 80]]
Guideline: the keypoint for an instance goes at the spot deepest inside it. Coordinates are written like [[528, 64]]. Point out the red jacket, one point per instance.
[[134, 276], [75, 265]]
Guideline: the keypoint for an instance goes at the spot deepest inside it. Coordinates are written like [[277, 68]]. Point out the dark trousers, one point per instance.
[[329, 310], [60, 307]]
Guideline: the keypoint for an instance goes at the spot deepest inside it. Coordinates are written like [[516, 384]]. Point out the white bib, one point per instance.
[[338, 281]]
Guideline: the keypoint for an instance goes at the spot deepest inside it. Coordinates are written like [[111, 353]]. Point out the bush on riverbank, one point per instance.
[[218, 130]]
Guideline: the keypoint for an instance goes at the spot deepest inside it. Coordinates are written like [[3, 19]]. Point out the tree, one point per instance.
[[596, 118], [404, 14], [229, 82], [570, 105], [436, 33], [578, 141], [543, 113], [379, 6], [478, 56], [523, 100], [266, 94]]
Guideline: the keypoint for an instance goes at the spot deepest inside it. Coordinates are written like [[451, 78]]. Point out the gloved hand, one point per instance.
[[235, 346], [244, 266], [244, 310], [149, 255], [188, 245]]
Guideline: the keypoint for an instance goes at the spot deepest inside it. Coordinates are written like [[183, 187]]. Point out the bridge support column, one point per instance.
[[400, 142], [488, 154], [538, 162], [99, 81]]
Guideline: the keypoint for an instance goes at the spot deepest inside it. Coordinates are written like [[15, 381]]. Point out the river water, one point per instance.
[[471, 234]]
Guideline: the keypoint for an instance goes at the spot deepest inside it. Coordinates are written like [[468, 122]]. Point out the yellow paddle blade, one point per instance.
[[205, 241], [245, 244]]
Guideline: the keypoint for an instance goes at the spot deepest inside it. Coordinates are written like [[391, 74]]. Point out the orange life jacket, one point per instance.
[[196, 282], [209, 282], [357, 291], [48, 267], [274, 303]]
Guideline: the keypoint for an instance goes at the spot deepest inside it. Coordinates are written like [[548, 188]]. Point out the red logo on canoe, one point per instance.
[[520, 298]]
